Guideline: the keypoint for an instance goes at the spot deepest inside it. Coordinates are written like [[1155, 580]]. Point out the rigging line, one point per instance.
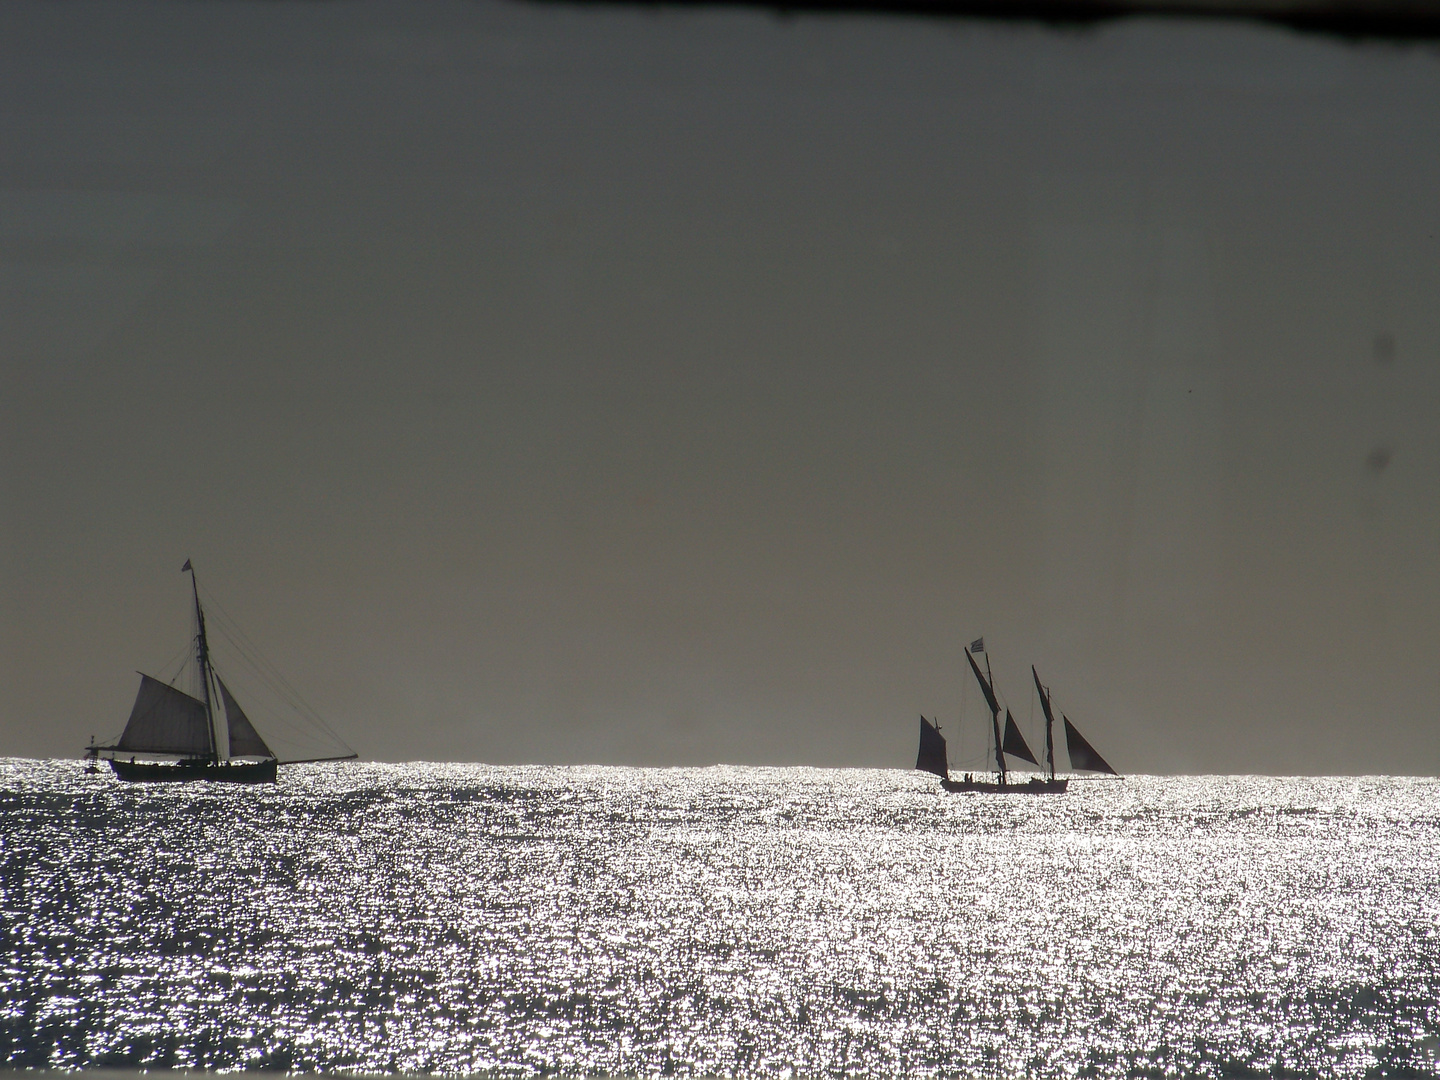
[[231, 629], [255, 668], [276, 719], [298, 733], [249, 663], [275, 712], [178, 661], [243, 644], [307, 728], [960, 723], [225, 617], [271, 675], [275, 683]]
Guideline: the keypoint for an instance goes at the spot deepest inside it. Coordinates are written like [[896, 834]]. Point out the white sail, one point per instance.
[[166, 721], [245, 741]]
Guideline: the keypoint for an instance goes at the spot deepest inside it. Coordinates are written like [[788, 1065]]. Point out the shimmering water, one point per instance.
[[746, 922]]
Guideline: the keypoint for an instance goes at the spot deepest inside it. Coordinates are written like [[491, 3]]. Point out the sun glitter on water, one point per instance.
[[742, 922]]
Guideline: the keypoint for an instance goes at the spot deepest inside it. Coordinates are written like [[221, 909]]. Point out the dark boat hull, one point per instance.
[[233, 772], [1033, 786]]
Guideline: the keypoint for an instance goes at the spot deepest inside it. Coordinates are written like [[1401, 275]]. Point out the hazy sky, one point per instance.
[[676, 387]]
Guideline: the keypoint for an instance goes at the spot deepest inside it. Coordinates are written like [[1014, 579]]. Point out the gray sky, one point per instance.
[[543, 384]]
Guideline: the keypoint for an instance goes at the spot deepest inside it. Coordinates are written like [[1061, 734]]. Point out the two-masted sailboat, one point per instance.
[[172, 735], [933, 757]]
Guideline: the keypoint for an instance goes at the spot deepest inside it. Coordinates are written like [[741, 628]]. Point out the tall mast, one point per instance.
[[1049, 722], [988, 688], [1050, 745], [995, 724], [203, 655]]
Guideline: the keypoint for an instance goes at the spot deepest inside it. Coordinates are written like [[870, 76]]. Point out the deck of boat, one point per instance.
[[1034, 786], [233, 772]]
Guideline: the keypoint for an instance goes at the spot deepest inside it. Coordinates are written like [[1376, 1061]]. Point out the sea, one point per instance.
[[741, 922]]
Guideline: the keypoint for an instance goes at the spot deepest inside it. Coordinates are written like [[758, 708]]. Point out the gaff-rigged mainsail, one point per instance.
[[166, 721], [1015, 744], [989, 691], [1082, 754], [245, 741], [932, 757], [985, 687]]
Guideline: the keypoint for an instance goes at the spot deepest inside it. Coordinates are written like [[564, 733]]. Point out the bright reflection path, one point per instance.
[[724, 921]]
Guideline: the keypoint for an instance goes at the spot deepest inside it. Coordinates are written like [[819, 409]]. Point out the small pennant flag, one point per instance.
[[187, 566], [978, 645]]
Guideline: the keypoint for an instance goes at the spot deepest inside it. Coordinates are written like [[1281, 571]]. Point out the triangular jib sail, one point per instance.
[[1082, 754], [166, 721], [245, 741], [1015, 744], [932, 757]]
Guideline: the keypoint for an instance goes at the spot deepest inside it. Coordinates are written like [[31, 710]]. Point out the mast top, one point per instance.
[[986, 686]]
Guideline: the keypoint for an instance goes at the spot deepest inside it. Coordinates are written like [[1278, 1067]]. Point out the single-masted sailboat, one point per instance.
[[933, 758], [172, 735]]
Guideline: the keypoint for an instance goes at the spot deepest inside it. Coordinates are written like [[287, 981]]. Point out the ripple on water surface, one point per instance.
[[455, 918]]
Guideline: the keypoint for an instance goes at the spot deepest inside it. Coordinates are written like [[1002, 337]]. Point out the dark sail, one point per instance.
[[245, 741], [1082, 754], [1049, 722], [994, 713], [932, 757], [985, 686], [1015, 744], [166, 721]]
